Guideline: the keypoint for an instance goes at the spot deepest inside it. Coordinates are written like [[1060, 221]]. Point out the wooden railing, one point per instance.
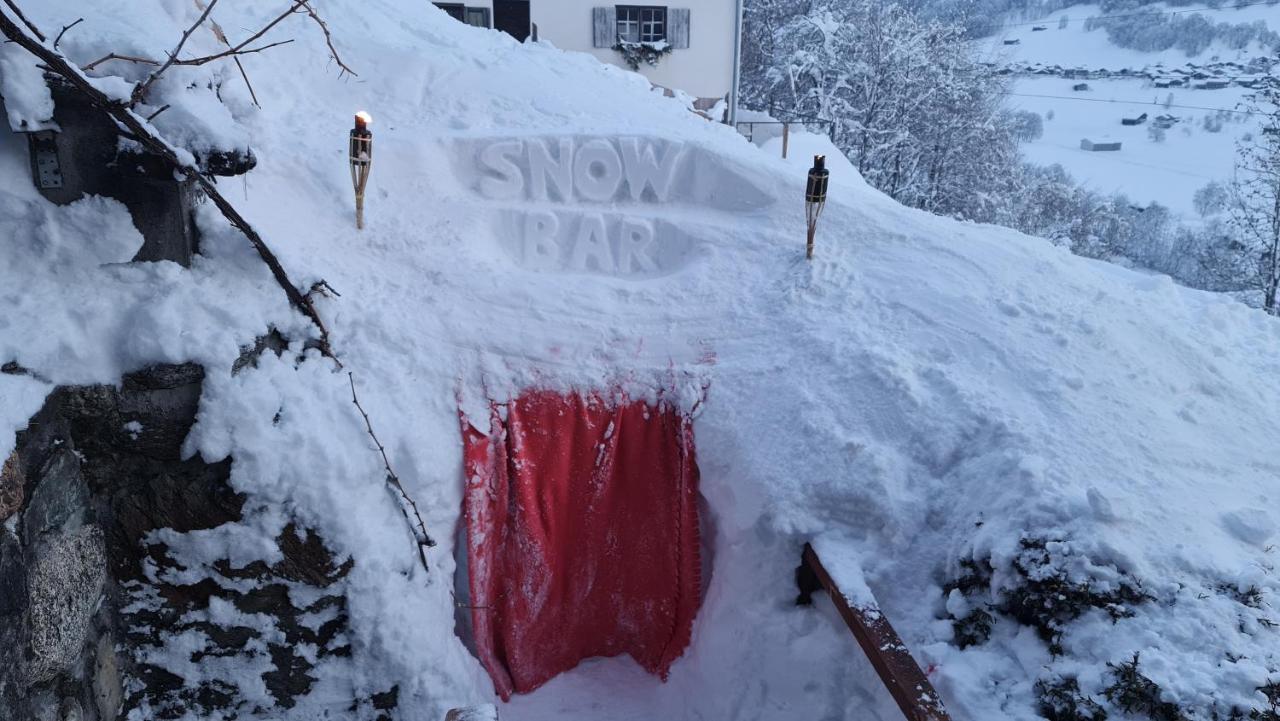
[[899, 672]]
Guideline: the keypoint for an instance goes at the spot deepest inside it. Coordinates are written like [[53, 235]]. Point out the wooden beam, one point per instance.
[[898, 671]]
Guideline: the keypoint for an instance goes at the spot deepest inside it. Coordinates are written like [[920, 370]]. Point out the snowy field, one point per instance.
[[1168, 171], [927, 396]]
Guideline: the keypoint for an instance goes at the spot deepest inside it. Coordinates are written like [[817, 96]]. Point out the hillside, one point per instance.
[[977, 419], [1050, 55]]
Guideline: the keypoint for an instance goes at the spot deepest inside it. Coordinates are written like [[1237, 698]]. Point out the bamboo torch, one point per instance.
[[815, 198], [361, 161]]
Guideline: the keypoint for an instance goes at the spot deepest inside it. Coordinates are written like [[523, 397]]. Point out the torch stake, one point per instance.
[[361, 164], [815, 199]]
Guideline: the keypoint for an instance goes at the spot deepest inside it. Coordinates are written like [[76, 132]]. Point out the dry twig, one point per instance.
[[296, 4], [65, 28], [222, 38], [230, 54], [232, 51], [407, 506], [114, 56], [141, 91], [247, 84], [323, 288], [328, 40]]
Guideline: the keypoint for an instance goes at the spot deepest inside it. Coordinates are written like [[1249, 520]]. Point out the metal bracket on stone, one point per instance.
[[45, 165]]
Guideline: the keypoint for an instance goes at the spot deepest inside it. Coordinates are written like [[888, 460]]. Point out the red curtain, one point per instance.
[[582, 535]]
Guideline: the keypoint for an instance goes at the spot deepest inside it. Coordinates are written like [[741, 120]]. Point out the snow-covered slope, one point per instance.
[[1200, 147], [926, 395]]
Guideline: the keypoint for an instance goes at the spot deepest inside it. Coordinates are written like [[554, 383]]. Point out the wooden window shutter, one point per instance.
[[604, 27], [678, 30]]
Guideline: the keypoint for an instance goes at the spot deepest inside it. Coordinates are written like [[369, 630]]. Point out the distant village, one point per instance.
[[1254, 74]]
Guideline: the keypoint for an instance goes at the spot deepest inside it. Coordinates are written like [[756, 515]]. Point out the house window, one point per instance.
[[642, 24], [478, 17]]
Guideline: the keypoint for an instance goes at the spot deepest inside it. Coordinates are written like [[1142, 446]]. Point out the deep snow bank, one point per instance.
[[978, 417]]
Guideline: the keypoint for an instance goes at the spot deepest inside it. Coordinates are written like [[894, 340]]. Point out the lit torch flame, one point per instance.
[[363, 118]]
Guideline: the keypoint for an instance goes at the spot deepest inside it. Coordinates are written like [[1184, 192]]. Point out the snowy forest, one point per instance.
[[925, 122]]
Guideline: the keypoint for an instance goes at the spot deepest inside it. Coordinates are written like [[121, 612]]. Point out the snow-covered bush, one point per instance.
[[1136, 694], [1058, 698], [1049, 585], [635, 53]]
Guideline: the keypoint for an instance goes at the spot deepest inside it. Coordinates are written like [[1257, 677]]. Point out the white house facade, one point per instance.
[[692, 47]]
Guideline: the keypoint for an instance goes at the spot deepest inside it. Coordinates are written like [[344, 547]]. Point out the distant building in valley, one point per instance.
[[1089, 145]]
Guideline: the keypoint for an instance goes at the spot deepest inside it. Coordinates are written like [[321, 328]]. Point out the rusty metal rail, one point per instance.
[[889, 656]]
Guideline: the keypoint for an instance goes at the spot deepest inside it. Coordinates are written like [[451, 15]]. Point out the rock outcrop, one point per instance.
[[111, 600]]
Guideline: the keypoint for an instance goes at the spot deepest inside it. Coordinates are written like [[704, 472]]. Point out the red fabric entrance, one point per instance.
[[582, 535]]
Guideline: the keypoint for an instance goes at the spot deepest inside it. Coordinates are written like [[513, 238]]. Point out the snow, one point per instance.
[[923, 390], [28, 103], [802, 146], [1169, 171]]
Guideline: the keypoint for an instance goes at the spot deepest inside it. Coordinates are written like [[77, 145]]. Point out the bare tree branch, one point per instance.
[[247, 84], [157, 113], [34, 30], [323, 288], [232, 51], [333, 52], [222, 37], [296, 4], [141, 91], [114, 56], [407, 506], [65, 28], [132, 123], [229, 53]]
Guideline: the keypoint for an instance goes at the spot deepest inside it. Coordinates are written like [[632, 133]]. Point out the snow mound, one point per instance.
[[975, 419]]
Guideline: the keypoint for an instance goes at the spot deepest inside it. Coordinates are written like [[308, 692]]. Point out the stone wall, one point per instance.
[[102, 613]]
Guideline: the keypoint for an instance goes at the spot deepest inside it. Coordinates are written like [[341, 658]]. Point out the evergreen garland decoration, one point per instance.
[[635, 53]]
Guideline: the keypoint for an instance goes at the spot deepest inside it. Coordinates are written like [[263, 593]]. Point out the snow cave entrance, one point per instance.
[[582, 535]]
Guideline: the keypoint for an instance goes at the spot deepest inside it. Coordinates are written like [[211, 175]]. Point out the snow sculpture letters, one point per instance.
[[556, 181], [585, 171], [593, 172]]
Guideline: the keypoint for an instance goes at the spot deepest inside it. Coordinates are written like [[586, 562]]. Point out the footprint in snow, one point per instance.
[[1251, 525]]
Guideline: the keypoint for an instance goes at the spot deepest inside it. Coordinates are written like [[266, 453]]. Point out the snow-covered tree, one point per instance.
[[1255, 202], [914, 111], [1211, 199]]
